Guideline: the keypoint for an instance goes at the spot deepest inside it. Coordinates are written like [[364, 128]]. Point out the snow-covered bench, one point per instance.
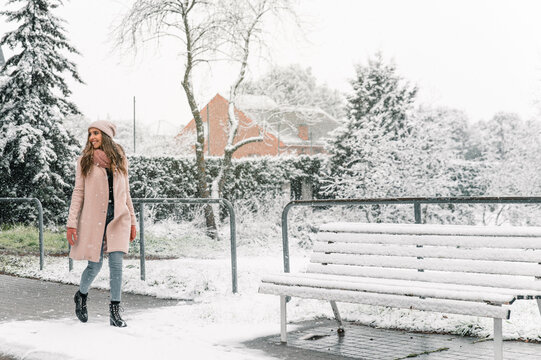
[[470, 270]]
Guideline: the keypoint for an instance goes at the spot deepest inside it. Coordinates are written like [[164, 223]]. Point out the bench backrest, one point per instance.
[[503, 257]]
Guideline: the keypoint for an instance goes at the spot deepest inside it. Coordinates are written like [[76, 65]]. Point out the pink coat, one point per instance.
[[88, 210]]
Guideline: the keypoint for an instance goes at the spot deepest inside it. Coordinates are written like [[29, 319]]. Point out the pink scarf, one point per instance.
[[101, 159]]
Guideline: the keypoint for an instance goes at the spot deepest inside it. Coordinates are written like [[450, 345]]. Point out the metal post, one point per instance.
[[417, 210], [40, 226], [285, 240], [142, 239], [278, 140], [232, 231], [337, 315], [283, 319], [134, 124], [232, 225], [498, 339], [311, 140], [208, 130]]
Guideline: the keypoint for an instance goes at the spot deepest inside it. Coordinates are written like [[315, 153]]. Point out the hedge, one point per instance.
[[250, 178]]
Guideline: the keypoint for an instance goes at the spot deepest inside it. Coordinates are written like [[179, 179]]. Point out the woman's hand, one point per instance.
[[71, 234], [133, 232]]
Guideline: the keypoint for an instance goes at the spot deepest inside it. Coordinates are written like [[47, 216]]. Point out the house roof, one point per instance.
[[284, 120], [248, 101]]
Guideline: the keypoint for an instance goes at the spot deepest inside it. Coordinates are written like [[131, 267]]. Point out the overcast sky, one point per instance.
[[475, 55]]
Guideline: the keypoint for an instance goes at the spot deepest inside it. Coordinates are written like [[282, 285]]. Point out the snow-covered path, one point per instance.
[[214, 326], [190, 331], [217, 323]]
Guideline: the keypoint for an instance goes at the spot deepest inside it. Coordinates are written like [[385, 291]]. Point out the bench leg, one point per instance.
[[338, 317], [498, 339], [539, 305], [283, 319]]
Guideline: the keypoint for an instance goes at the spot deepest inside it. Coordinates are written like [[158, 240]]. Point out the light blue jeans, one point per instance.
[[115, 266]]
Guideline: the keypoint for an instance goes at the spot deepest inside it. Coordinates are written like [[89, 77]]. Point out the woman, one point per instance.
[[101, 217]]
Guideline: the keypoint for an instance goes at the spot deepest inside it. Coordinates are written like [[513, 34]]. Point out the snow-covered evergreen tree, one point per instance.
[[379, 90], [36, 152], [509, 166], [363, 150]]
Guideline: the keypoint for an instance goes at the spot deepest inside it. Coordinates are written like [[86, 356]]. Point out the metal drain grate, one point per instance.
[[312, 337]]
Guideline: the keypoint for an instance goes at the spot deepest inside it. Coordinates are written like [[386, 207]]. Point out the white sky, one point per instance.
[[479, 56]]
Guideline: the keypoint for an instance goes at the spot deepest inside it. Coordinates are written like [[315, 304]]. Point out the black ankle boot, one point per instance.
[[80, 306], [114, 315]]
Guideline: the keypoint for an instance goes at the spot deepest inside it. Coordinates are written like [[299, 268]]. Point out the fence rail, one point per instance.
[[415, 201], [40, 223], [232, 228]]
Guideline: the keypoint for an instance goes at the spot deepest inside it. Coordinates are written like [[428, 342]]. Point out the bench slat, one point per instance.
[[436, 240], [386, 288], [431, 251], [506, 281], [397, 301], [432, 229], [474, 266], [515, 292]]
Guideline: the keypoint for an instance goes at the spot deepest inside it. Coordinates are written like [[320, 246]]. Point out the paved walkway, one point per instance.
[[29, 299], [318, 340]]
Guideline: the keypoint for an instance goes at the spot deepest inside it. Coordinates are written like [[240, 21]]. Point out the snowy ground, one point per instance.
[[217, 323]]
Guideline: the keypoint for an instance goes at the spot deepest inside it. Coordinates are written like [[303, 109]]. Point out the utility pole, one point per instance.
[[134, 124], [208, 129], [278, 139], [311, 141], [2, 60]]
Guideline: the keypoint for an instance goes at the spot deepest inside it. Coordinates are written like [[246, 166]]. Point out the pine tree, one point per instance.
[[36, 151], [379, 90], [364, 148]]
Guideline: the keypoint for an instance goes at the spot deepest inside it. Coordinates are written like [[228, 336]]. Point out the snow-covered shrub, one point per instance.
[[253, 177], [259, 220]]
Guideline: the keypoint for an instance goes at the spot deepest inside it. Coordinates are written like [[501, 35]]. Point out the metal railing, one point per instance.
[[232, 228], [40, 223], [416, 202]]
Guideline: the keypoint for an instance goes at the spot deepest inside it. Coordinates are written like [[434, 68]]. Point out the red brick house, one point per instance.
[[285, 130]]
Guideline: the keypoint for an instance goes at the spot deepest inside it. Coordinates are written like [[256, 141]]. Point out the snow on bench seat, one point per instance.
[[449, 277], [463, 252], [514, 292], [509, 242], [429, 229], [469, 266], [383, 287], [378, 299]]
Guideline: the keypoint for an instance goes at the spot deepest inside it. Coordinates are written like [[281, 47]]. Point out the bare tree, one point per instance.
[[246, 22], [208, 31], [152, 19]]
